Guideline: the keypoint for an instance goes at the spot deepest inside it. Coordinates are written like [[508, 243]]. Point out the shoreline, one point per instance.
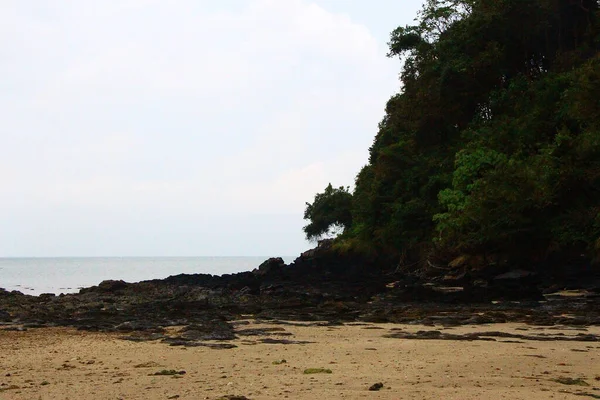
[[419, 337], [56, 275], [317, 286]]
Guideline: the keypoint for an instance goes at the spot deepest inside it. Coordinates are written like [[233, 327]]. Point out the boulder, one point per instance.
[[109, 286], [5, 316], [515, 274], [270, 266]]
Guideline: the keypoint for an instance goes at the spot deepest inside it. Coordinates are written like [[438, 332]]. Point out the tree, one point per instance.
[[329, 212], [493, 144]]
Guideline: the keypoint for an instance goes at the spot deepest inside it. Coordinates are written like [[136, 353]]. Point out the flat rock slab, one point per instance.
[[489, 336], [283, 341], [192, 343]]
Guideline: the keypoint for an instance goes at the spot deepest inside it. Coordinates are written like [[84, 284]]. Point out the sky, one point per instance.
[[187, 127]]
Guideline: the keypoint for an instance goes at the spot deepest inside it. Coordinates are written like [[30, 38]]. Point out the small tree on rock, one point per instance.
[[329, 213]]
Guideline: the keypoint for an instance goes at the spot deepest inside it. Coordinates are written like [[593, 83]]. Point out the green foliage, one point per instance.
[[493, 145], [329, 211]]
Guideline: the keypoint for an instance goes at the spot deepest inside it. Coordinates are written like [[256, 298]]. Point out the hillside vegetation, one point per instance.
[[490, 153]]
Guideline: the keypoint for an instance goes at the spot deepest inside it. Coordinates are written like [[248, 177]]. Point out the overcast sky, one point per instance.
[[184, 127]]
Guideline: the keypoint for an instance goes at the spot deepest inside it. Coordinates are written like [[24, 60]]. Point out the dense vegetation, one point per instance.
[[491, 151]]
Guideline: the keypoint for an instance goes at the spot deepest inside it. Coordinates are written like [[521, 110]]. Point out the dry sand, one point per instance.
[[62, 363]]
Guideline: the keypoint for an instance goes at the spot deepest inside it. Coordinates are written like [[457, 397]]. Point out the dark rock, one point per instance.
[[15, 329], [514, 274], [270, 266], [263, 332], [377, 317], [168, 372], [130, 326], [109, 286], [376, 386], [209, 330], [321, 289], [283, 341], [247, 290], [148, 337], [322, 247], [176, 341], [34, 325], [5, 316], [489, 336]]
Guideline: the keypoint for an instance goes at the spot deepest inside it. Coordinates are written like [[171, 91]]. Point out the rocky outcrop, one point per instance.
[[318, 286], [270, 267]]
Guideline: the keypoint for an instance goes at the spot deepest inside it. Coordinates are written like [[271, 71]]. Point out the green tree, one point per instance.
[[493, 144], [328, 213]]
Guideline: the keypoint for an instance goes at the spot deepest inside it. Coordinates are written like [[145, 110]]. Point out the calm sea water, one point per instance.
[[67, 275]]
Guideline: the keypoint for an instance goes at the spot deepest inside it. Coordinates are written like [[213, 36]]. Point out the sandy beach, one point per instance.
[[63, 363]]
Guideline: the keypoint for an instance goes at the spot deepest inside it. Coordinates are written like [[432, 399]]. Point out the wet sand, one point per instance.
[[60, 363]]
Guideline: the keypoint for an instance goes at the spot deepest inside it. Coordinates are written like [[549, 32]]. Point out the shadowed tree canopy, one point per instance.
[[330, 211], [491, 150]]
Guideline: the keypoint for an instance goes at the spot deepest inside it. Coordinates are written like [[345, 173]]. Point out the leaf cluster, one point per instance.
[[328, 213]]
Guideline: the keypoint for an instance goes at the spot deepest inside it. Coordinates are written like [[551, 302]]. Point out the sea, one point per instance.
[[58, 275]]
